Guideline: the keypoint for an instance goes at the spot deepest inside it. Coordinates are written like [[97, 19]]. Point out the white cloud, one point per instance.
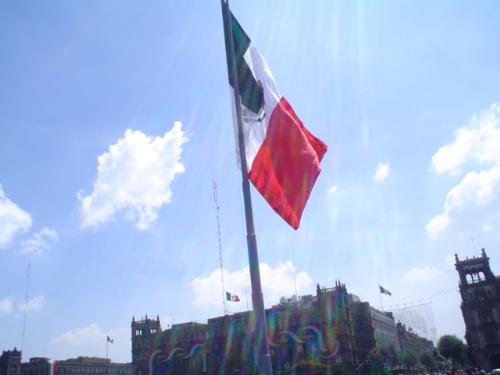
[[419, 275], [475, 190], [39, 241], [276, 282], [479, 141], [78, 336], [437, 224], [6, 305], [333, 189], [12, 220], [383, 170], [34, 304], [134, 177], [90, 340]]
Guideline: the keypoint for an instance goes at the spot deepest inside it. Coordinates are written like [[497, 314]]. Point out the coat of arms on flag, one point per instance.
[[283, 157]]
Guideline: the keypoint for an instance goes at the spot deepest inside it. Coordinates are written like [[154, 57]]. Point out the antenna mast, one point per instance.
[[25, 305], [216, 201]]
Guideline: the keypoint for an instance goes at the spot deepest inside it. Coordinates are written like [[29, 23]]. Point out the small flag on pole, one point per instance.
[[109, 339], [282, 156], [232, 297], [384, 291]]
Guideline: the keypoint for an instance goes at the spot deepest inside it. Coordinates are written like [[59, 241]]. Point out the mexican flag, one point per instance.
[[232, 297], [283, 157], [384, 291]]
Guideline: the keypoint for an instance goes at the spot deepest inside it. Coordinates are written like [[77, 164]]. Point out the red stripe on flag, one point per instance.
[[287, 164]]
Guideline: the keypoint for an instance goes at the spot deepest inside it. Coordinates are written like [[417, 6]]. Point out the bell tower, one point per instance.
[[480, 292], [144, 333]]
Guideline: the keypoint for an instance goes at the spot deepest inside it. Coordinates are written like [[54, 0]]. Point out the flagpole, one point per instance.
[[262, 347], [381, 300]]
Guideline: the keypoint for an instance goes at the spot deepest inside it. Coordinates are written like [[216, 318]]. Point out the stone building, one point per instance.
[[364, 334], [313, 334], [10, 362], [231, 344], [72, 366], [384, 327], [308, 335], [411, 341], [328, 333], [480, 292], [37, 366], [180, 349], [89, 366]]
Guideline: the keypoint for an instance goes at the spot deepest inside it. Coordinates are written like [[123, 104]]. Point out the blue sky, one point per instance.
[[405, 91]]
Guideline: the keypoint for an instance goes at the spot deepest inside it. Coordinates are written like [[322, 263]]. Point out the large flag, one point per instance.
[[232, 297], [384, 291], [283, 157]]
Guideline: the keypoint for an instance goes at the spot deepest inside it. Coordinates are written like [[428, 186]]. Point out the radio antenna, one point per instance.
[[221, 265]]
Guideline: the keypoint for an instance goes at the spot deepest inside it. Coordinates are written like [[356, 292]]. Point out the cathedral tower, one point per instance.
[[480, 292]]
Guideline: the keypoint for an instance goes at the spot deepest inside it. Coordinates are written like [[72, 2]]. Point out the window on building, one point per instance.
[[494, 313], [475, 316]]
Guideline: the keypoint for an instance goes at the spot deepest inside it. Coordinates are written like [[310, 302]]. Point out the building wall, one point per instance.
[[364, 334], [90, 366], [231, 344], [312, 335], [10, 362], [36, 366], [410, 341], [480, 292], [180, 349], [78, 366], [384, 328], [326, 333]]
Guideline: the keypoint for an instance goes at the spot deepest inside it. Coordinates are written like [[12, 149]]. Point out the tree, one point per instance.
[[394, 359], [408, 359], [451, 347], [426, 359]]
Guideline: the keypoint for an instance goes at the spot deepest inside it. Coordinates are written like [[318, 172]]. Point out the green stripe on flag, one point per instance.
[[251, 93]]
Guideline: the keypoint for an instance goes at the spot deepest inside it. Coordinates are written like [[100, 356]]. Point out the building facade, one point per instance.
[[308, 335], [181, 349], [384, 327], [10, 362], [364, 334], [75, 366], [328, 333], [89, 366], [37, 366], [480, 292], [410, 341]]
